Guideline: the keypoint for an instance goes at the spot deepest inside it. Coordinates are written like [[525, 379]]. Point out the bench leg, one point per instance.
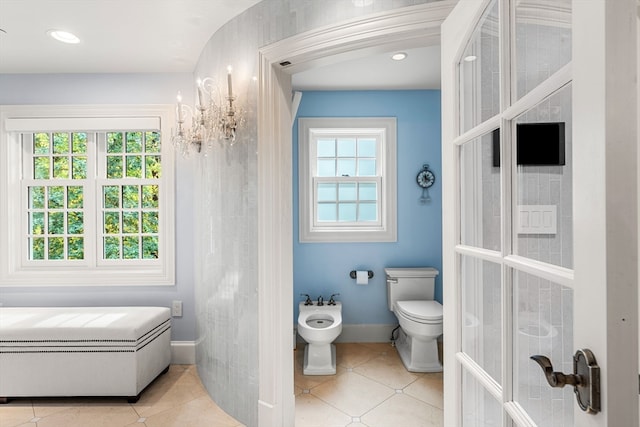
[[134, 399]]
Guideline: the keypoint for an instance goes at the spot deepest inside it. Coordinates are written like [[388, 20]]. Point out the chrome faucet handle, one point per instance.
[[331, 300], [308, 300], [320, 303]]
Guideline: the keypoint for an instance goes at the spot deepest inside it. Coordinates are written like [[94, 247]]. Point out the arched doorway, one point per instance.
[[419, 25]]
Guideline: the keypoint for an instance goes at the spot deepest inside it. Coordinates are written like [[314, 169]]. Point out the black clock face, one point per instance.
[[425, 179]]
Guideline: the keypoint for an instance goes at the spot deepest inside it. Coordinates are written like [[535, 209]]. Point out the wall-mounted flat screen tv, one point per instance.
[[539, 144]]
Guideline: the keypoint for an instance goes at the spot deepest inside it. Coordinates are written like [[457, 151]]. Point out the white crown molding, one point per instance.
[[550, 13], [415, 26]]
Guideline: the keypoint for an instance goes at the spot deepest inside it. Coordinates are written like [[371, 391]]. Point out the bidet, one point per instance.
[[319, 325]]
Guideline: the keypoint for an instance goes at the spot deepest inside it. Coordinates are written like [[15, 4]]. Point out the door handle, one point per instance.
[[585, 378], [555, 379]]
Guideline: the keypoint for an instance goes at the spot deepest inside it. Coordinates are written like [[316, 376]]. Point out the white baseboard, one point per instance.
[[363, 333], [183, 352], [366, 333]]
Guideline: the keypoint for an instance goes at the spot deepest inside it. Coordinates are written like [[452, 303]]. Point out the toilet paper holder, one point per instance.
[[353, 274]]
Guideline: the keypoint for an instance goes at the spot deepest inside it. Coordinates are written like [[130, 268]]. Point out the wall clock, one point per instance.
[[425, 179]]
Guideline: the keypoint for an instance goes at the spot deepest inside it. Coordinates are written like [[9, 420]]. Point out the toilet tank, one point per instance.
[[404, 284]]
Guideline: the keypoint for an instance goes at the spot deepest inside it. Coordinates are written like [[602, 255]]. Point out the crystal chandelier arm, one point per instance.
[[208, 87], [213, 118]]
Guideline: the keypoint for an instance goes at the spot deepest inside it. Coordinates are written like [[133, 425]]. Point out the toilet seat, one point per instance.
[[427, 312]]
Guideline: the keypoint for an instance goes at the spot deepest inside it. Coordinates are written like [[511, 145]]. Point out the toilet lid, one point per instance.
[[421, 311]]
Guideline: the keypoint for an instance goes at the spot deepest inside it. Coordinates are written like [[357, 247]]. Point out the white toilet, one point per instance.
[[410, 293], [320, 325]]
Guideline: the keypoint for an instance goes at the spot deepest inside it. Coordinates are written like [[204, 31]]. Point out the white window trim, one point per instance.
[[14, 270], [386, 229]]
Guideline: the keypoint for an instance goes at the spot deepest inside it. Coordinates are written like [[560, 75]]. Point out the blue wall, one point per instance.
[[323, 268]]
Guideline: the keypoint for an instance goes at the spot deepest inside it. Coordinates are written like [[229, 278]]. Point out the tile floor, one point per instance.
[[176, 399], [371, 388]]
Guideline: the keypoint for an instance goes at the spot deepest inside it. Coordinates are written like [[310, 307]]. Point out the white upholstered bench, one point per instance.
[[82, 351]]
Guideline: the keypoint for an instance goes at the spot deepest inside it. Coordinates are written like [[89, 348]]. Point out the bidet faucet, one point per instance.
[[308, 300], [320, 303], [331, 300]]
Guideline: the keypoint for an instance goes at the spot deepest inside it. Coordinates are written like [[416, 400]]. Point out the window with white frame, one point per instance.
[[88, 196], [347, 179]]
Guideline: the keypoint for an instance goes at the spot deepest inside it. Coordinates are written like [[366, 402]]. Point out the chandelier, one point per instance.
[[214, 118]]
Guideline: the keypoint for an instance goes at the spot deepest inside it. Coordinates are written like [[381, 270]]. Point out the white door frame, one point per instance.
[[451, 295], [638, 149], [604, 98], [406, 27]]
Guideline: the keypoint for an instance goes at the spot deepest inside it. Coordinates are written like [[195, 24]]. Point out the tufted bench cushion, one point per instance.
[[82, 351]]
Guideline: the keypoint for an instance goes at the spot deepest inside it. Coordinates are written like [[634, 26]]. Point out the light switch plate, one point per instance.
[[176, 309], [537, 219]]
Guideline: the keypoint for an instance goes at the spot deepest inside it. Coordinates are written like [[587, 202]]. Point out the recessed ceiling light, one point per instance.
[[63, 36], [399, 56], [470, 58], [362, 3]]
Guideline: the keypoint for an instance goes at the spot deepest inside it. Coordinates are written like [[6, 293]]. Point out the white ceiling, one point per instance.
[[167, 36], [117, 36], [419, 70]]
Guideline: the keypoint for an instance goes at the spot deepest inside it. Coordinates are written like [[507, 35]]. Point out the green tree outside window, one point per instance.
[[130, 211]]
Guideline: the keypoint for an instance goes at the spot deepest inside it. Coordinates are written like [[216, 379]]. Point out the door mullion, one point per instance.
[[507, 172]]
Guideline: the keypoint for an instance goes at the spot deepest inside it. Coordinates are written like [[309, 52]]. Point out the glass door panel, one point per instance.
[[543, 325], [480, 193], [482, 314], [542, 42], [480, 72], [479, 408], [544, 215]]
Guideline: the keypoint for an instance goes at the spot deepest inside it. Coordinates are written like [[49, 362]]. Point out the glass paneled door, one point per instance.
[[538, 256]]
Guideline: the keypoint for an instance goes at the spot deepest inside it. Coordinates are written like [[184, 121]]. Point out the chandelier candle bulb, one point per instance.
[[200, 93], [229, 69], [179, 98]]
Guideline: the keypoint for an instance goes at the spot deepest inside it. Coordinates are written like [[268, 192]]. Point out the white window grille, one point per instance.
[[347, 175]]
